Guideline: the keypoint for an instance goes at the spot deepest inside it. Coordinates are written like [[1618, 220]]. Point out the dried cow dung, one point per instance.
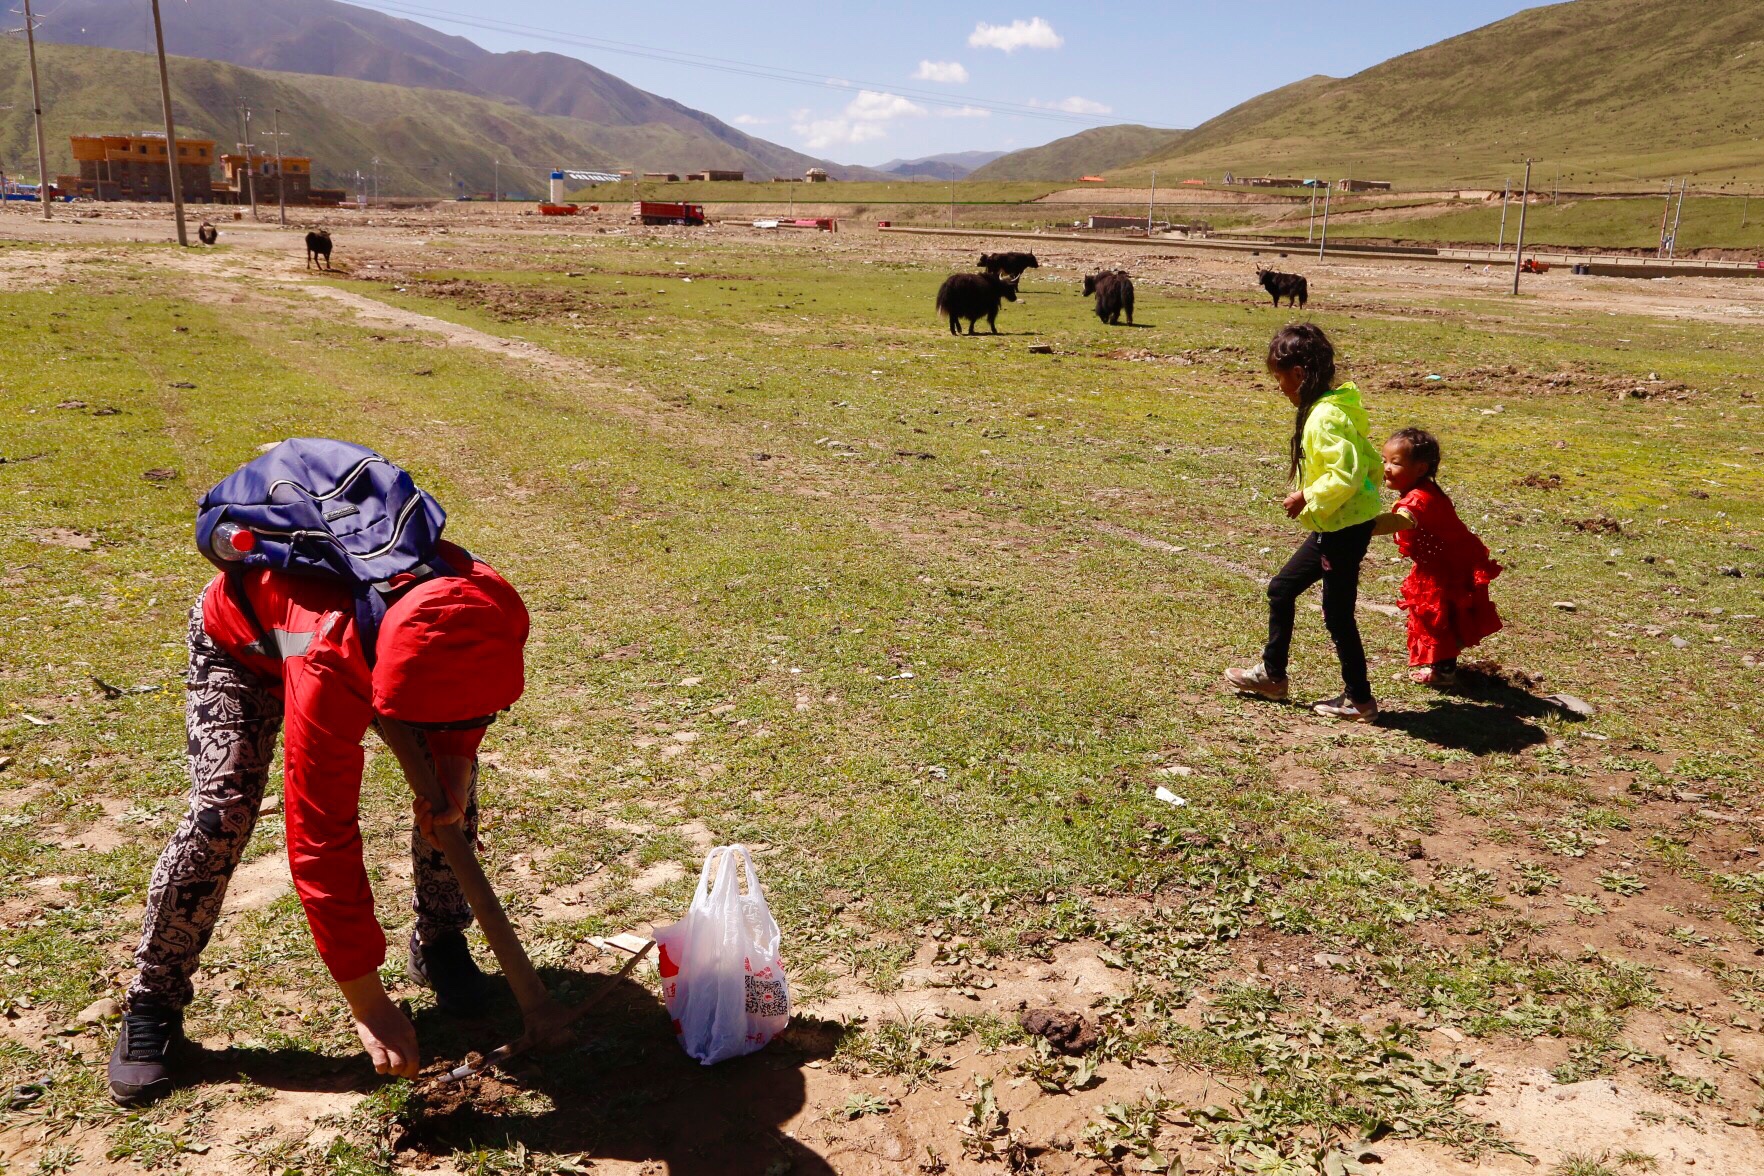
[[1067, 1032]]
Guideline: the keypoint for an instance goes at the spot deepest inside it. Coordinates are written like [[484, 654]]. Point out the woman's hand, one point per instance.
[[454, 773], [386, 1033], [1295, 502]]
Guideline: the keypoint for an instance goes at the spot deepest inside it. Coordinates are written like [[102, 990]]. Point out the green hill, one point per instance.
[[1099, 149], [425, 139], [1608, 91]]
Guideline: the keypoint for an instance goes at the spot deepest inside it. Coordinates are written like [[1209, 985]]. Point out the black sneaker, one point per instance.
[[446, 966], [140, 1065]]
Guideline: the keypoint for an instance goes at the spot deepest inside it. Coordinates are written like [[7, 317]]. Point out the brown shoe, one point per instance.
[[1257, 681]]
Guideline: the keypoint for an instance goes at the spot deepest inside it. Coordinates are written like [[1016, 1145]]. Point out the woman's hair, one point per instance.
[[1303, 346], [1421, 446]]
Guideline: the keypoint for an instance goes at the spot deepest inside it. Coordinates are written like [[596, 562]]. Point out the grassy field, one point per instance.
[[1708, 222], [925, 619]]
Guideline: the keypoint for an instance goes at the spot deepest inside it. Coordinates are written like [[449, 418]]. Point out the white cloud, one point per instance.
[[865, 117], [1019, 34], [1074, 105], [953, 72], [822, 133], [965, 112], [877, 106], [749, 120]]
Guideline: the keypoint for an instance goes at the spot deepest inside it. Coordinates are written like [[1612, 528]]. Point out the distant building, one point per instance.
[[296, 176], [815, 175], [712, 174], [1271, 182], [1363, 185], [661, 177], [133, 167]]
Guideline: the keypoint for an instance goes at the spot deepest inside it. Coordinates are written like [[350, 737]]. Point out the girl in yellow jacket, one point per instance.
[[1335, 471]]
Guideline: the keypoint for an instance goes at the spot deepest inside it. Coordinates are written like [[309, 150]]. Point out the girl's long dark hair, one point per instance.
[[1306, 347]]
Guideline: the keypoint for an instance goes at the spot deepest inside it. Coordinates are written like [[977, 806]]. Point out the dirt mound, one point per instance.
[[1067, 1032]]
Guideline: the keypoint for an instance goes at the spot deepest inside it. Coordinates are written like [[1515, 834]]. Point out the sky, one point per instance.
[[866, 83]]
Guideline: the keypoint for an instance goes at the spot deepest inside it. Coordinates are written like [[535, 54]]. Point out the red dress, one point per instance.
[[1446, 595]]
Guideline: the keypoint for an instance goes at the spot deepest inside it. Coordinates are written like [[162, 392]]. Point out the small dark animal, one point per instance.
[[1114, 295], [1008, 265], [318, 245], [973, 297], [207, 234], [1289, 286]]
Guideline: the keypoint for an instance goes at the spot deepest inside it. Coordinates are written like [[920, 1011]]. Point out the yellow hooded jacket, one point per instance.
[[1339, 468]]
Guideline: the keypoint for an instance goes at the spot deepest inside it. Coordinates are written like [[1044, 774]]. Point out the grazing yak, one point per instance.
[[207, 233], [318, 246], [1008, 265], [973, 297], [1288, 286], [1114, 295]]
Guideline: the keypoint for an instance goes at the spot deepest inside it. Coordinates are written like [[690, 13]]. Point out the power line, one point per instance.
[[742, 68]]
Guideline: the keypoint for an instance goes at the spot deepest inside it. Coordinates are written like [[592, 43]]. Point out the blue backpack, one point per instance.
[[317, 507]]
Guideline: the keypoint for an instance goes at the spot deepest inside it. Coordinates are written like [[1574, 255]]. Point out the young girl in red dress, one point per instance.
[[1446, 595]]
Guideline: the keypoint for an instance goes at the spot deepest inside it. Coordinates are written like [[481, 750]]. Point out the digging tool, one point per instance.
[[546, 1021], [520, 1045]]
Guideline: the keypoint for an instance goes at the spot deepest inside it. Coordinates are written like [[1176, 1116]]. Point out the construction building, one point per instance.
[[731, 177], [815, 175], [133, 167], [1363, 185], [296, 174]]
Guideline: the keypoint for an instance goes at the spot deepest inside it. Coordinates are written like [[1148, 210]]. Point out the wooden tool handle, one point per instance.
[[419, 769]]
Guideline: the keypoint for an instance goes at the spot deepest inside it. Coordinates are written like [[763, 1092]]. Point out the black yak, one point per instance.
[[207, 233], [318, 245], [1288, 286], [1114, 295], [1008, 265], [973, 297]]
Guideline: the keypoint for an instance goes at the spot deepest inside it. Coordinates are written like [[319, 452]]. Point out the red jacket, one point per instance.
[[327, 688]]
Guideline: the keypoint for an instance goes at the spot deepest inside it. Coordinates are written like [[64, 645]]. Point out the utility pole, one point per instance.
[[1672, 241], [1665, 216], [37, 111], [1323, 245], [1519, 247], [1151, 204], [281, 177], [245, 148], [376, 177], [1506, 198], [952, 206], [171, 134], [496, 187], [1311, 230]]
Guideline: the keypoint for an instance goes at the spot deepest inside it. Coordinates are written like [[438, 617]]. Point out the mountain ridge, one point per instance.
[[327, 38]]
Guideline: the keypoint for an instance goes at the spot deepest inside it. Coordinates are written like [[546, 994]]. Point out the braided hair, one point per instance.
[[1303, 346]]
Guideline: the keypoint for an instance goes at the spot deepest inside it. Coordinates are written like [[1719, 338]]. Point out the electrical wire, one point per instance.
[[741, 68]]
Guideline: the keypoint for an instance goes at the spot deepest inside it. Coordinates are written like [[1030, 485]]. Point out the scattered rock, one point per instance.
[[159, 475], [1597, 525], [1680, 643], [1731, 573], [1413, 849], [270, 803], [99, 1011], [71, 404], [1069, 1033], [1566, 605], [1567, 703], [1041, 349]]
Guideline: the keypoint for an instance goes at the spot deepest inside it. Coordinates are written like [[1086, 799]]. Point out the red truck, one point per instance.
[[657, 212]]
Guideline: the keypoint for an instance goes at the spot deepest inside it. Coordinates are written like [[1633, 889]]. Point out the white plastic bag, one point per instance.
[[721, 973]]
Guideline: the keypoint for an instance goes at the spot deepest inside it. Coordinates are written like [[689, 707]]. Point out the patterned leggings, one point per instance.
[[232, 719]]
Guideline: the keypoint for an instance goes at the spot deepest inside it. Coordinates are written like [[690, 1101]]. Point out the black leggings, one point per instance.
[[1333, 557]]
